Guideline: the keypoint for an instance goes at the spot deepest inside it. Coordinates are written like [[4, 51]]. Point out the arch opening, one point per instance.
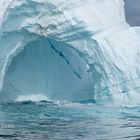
[[48, 68]]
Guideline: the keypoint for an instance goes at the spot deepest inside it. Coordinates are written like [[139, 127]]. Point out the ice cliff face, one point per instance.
[[68, 50]]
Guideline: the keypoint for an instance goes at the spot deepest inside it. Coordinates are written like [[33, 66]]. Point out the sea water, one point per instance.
[[46, 120]]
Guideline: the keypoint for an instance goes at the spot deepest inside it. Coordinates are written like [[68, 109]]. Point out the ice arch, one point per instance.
[[95, 32], [50, 68]]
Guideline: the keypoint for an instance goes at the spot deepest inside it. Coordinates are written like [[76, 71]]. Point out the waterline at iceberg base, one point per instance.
[[68, 70]]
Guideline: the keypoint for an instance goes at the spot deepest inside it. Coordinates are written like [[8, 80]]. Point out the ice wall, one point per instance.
[[69, 50]]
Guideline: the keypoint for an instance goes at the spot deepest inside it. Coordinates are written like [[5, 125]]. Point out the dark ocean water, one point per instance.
[[68, 121]]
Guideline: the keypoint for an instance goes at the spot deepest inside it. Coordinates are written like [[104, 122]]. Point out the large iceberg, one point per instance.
[[68, 50]]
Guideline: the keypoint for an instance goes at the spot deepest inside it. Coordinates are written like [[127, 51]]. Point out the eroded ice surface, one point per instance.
[[68, 50]]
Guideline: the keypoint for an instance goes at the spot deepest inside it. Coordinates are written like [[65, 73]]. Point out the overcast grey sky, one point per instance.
[[132, 11]]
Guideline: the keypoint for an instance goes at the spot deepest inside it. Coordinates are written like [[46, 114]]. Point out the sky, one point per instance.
[[132, 8]]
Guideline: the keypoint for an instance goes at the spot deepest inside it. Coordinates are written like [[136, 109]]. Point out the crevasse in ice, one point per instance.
[[68, 50]]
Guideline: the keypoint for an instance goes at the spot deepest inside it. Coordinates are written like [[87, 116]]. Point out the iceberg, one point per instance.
[[68, 50]]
